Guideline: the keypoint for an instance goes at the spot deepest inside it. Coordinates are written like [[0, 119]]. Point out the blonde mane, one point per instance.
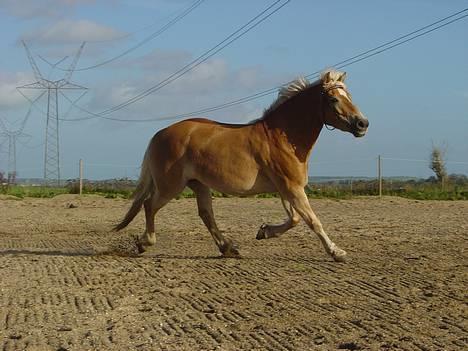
[[301, 84]]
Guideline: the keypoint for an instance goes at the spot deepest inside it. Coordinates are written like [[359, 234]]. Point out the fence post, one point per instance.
[[81, 176], [380, 175]]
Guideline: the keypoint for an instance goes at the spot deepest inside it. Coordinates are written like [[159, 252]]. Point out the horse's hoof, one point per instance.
[[230, 250], [147, 239], [261, 234], [151, 241], [140, 247], [339, 255]]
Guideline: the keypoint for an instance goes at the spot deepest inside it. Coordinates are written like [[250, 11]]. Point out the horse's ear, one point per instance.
[[326, 77], [342, 77]]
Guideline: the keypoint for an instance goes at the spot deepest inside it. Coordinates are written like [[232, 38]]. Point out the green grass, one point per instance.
[[423, 191], [432, 194], [32, 191]]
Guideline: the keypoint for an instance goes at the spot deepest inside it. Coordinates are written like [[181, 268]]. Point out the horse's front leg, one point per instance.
[[268, 231], [300, 203]]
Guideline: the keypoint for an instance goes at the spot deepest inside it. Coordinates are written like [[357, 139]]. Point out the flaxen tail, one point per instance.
[[144, 189]]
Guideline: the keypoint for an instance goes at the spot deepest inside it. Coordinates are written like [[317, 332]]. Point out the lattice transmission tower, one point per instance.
[[12, 136], [52, 88]]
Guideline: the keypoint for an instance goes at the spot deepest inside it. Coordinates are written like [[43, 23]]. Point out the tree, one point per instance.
[[437, 163]]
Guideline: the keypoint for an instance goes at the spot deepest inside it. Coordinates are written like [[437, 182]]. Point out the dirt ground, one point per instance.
[[66, 283]]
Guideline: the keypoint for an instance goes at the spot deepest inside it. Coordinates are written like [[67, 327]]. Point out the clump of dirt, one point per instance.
[[349, 346], [128, 246]]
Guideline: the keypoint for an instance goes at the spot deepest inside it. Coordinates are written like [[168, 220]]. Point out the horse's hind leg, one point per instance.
[[152, 205], [268, 231], [205, 211], [149, 237]]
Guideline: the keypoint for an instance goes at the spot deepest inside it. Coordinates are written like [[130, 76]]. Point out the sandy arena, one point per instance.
[[69, 283]]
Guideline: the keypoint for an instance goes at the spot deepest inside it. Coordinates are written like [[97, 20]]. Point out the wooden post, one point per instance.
[[81, 176], [380, 175]]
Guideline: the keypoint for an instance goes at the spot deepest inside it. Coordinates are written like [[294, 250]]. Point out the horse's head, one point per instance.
[[339, 111]]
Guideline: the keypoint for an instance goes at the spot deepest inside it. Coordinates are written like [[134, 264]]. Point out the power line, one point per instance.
[[153, 35], [127, 35], [341, 64], [254, 22], [247, 27]]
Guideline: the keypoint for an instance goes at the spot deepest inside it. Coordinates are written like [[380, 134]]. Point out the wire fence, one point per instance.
[[387, 176], [364, 176]]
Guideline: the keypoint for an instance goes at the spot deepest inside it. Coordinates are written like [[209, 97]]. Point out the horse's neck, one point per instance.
[[298, 122]]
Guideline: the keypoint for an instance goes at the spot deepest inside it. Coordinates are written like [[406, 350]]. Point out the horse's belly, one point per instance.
[[234, 182], [239, 188], [244, 188]]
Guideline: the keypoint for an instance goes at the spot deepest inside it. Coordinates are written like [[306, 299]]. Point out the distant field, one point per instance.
[[338, 189]]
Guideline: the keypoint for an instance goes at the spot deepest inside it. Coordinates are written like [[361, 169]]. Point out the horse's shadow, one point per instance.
[[37, 252], [109, 253]]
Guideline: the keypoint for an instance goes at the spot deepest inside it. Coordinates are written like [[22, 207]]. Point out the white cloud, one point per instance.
[[44, 8], [160, 65], [208, 77], [120, 94], [71, 31], [211, 83], [212, 75], [162, 60], [9, 96]]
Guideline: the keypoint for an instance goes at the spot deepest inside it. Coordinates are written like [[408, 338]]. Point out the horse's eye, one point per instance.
[[333, 100]]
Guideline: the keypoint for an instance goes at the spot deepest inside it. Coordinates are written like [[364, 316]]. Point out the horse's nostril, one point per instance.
[[362, 123]]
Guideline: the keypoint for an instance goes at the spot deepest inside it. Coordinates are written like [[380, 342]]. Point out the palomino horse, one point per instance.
[[269, 154]]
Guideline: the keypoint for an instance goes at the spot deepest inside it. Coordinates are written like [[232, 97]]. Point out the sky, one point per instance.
[[415, 95]]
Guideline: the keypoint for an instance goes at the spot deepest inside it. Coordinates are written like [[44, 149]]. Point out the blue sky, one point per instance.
[[414, 95]]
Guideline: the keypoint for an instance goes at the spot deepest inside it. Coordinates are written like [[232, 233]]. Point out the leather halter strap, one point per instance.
[[336, 86], [324, 91]]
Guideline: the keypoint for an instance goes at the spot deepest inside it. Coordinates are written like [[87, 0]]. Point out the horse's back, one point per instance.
[[196, 134], [200, 133]]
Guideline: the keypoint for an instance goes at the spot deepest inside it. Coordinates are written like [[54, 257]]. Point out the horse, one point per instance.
[[267, 155]]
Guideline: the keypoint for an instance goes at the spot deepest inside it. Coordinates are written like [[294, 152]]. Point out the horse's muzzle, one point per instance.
[[360, 126]]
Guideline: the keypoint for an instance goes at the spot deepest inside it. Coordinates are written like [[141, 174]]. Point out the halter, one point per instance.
[[324, 91]]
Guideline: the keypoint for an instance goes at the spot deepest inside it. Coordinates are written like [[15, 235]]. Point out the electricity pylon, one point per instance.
[[52, 88], [12, 136]]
